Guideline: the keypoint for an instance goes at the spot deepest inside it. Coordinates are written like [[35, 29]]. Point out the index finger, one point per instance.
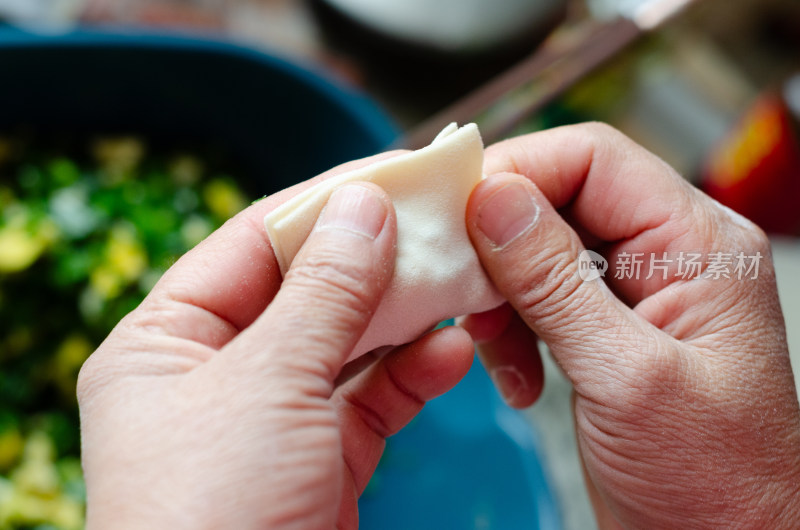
[[621, 195]]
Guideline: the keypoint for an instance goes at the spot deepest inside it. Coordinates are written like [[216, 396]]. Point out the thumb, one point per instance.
[[531, 254], [330, 292]]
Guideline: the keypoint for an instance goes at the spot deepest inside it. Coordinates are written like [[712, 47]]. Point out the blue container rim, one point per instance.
[[352, 100]]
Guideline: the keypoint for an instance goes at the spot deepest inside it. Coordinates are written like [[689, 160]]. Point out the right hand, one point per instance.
[[685, 405]]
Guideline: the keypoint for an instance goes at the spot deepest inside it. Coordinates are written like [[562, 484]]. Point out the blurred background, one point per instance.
[[130, 129]]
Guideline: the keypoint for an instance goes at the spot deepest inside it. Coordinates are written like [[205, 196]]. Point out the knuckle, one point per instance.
[[602, 136], [611, 150], [598, 129], [757, 238], [550, 283], [330, 275], [725, 223], [84, 383], [90, 380]]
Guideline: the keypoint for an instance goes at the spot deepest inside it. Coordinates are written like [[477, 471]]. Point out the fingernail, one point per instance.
[[354, 208], [507, 213], [510, 383]]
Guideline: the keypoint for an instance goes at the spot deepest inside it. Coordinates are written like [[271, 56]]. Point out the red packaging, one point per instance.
[[755, 170]]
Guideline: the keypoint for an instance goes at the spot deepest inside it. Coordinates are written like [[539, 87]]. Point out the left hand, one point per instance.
[[216, 403]]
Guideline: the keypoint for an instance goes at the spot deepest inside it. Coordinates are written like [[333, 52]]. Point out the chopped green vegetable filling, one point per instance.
[[82, 241]]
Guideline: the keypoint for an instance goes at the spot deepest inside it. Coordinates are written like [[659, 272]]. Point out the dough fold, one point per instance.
[[437, 273]]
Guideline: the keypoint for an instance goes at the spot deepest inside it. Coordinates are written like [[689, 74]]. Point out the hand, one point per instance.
[[685, 405], [220, 401]]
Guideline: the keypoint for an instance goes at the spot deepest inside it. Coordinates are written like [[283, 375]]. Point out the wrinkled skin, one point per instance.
[[221, 402], [685, 405]]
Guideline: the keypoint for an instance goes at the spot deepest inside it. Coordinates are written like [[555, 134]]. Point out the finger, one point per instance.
[[348, 507], [531, 255], [617, 192], [329, 294], [221, 286], [383, 399], [359, 364], [508, 350], [488, 325]]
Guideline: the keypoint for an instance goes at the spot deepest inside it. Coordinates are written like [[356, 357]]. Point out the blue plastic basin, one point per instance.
[[284, 123]]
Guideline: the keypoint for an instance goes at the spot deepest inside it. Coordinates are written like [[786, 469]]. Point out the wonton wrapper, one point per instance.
[[437, 274]]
